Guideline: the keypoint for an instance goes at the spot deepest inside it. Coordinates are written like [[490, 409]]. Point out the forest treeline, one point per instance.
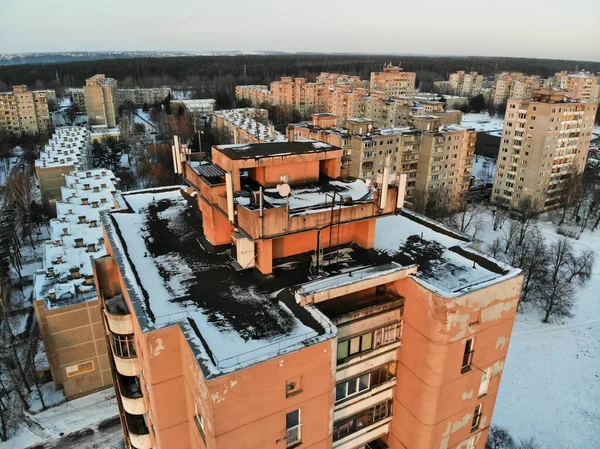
[[211, 76]]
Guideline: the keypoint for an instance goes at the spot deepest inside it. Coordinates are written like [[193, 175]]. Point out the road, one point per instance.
[[108, 438]]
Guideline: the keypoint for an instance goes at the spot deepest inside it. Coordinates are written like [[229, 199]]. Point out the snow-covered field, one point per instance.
[[551, 382], [482, 121], [484, 169]]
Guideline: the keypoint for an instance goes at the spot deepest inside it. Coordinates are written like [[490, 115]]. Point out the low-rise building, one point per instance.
[[245, 125], [140, 96], [198, 107], [65, 299], [25, 112], [68, 149], [298, 312], [545, 141]]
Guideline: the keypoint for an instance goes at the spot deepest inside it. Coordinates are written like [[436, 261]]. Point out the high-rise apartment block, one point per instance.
[[249, 125], [393, 81], [65, 300], [577, 85], [430, 153], [101, 102], [463, 83], [141, 96], [544, 140], [24, 112], [78, 100], [513, 85], [294, 312]]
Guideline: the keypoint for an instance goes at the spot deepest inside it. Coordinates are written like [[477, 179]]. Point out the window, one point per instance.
[[355, 345], [365, 418], [485, 382], [123, 345], [293, 387], [467, 356], [200, 423], [293, 428], [476, 418], [352, 387]]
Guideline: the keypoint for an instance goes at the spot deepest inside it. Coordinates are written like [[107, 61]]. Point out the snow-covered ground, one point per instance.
[[484, 169], [143, 118], [68, 417], [6, 165], [551, 382], [482, 121]]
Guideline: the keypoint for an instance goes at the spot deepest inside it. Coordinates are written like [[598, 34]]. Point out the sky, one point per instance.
[[522, 28]]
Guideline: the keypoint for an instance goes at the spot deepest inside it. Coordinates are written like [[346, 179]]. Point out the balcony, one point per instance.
[[364, 427], [131, 394], [125, 356], [118, 316], [293, 436], [139, 435]]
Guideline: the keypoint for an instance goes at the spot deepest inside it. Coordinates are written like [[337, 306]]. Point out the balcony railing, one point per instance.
[[362, 420], [293, 435]]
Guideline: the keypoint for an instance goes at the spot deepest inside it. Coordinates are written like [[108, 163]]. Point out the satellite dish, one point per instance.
[[370, 127], [283, 189], [285, 179]]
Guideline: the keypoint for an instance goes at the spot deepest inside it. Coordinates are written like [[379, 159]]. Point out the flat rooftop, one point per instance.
[[231, 318], [273, 149]]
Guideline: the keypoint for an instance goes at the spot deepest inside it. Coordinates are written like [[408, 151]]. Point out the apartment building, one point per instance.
[[101, 101], [68, 149], [65, 301], [577, 85], [245, 125], [198, 107], [24, 112], [326, 333], [445, 162], [513, 85], [141, 96], [543, 141], [463, 83], [78, 99], [393, 81], [257, 95]]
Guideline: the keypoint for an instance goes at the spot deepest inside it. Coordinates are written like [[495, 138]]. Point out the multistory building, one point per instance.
[[463, 83], [393, 81], [257, 95], [198, 107], [101, 101], [78, 99], [24, 112], [65, 300], [545, 140], [141, 96], [68, 149], [577, 85], [249, 125], [297, 311], [513, 85]]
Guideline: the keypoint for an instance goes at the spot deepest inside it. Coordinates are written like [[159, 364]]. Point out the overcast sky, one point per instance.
[[529, 28]]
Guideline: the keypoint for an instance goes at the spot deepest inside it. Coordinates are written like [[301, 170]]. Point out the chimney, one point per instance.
[[94, 204], [56, 242], [89, 279], [75, 272], [91, 248], [65, 231], [84, 201], [96, 189], [50, 272], [79, 243], [93, 223], [59, 259], [100, 240], [86, 187], [81, 219], [52, 294]]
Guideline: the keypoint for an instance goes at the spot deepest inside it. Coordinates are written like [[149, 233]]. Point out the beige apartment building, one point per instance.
[[577, 85], [513, 85], [463, 83], [141, 96], [78, 99], [244, 125], [269, 323], [256, 94], [543, 141], [24, 112], [393, 81], [101, 102]]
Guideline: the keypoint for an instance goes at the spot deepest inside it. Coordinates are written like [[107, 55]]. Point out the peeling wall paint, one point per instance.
[[467, 395], [501, 342], [496, 311], [156, 350]]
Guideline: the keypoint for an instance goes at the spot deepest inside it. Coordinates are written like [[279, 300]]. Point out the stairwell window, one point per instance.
[[467, 356], [476, 418]]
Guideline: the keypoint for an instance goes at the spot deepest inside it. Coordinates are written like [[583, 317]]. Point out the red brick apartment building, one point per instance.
[[270, 303]]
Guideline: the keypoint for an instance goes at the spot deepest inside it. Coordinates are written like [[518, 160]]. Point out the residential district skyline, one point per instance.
[[538, 31]]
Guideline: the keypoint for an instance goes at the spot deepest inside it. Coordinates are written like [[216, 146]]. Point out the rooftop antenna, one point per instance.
[[244, 71]]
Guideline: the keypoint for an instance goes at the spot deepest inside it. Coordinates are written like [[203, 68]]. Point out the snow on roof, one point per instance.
[[68, 146], [230, 320], [273, 149], [447, 262], [76, 235], [245, 119]]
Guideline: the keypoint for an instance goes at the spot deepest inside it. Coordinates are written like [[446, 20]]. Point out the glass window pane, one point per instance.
[[363, 382], [352, 387], [367, 342], [340, 392], [355, 345], [292, 419], [342, 350]]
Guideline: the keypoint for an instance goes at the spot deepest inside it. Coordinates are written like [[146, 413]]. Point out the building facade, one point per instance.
[[101, 101], [577, 85], [513, 85], [356, 357], [544, 141], [463, 83], [78, 100], [246, 125], [25, 112], [141, 96], [393, 81]]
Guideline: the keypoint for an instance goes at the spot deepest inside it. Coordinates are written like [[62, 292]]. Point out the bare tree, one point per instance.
[[499, 438], [439, 204], [532, 257], [570, 192], [499, 217], [510, 236], [581, 266], [494, 248], [557, 295], [469, 216], [527, 209]]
